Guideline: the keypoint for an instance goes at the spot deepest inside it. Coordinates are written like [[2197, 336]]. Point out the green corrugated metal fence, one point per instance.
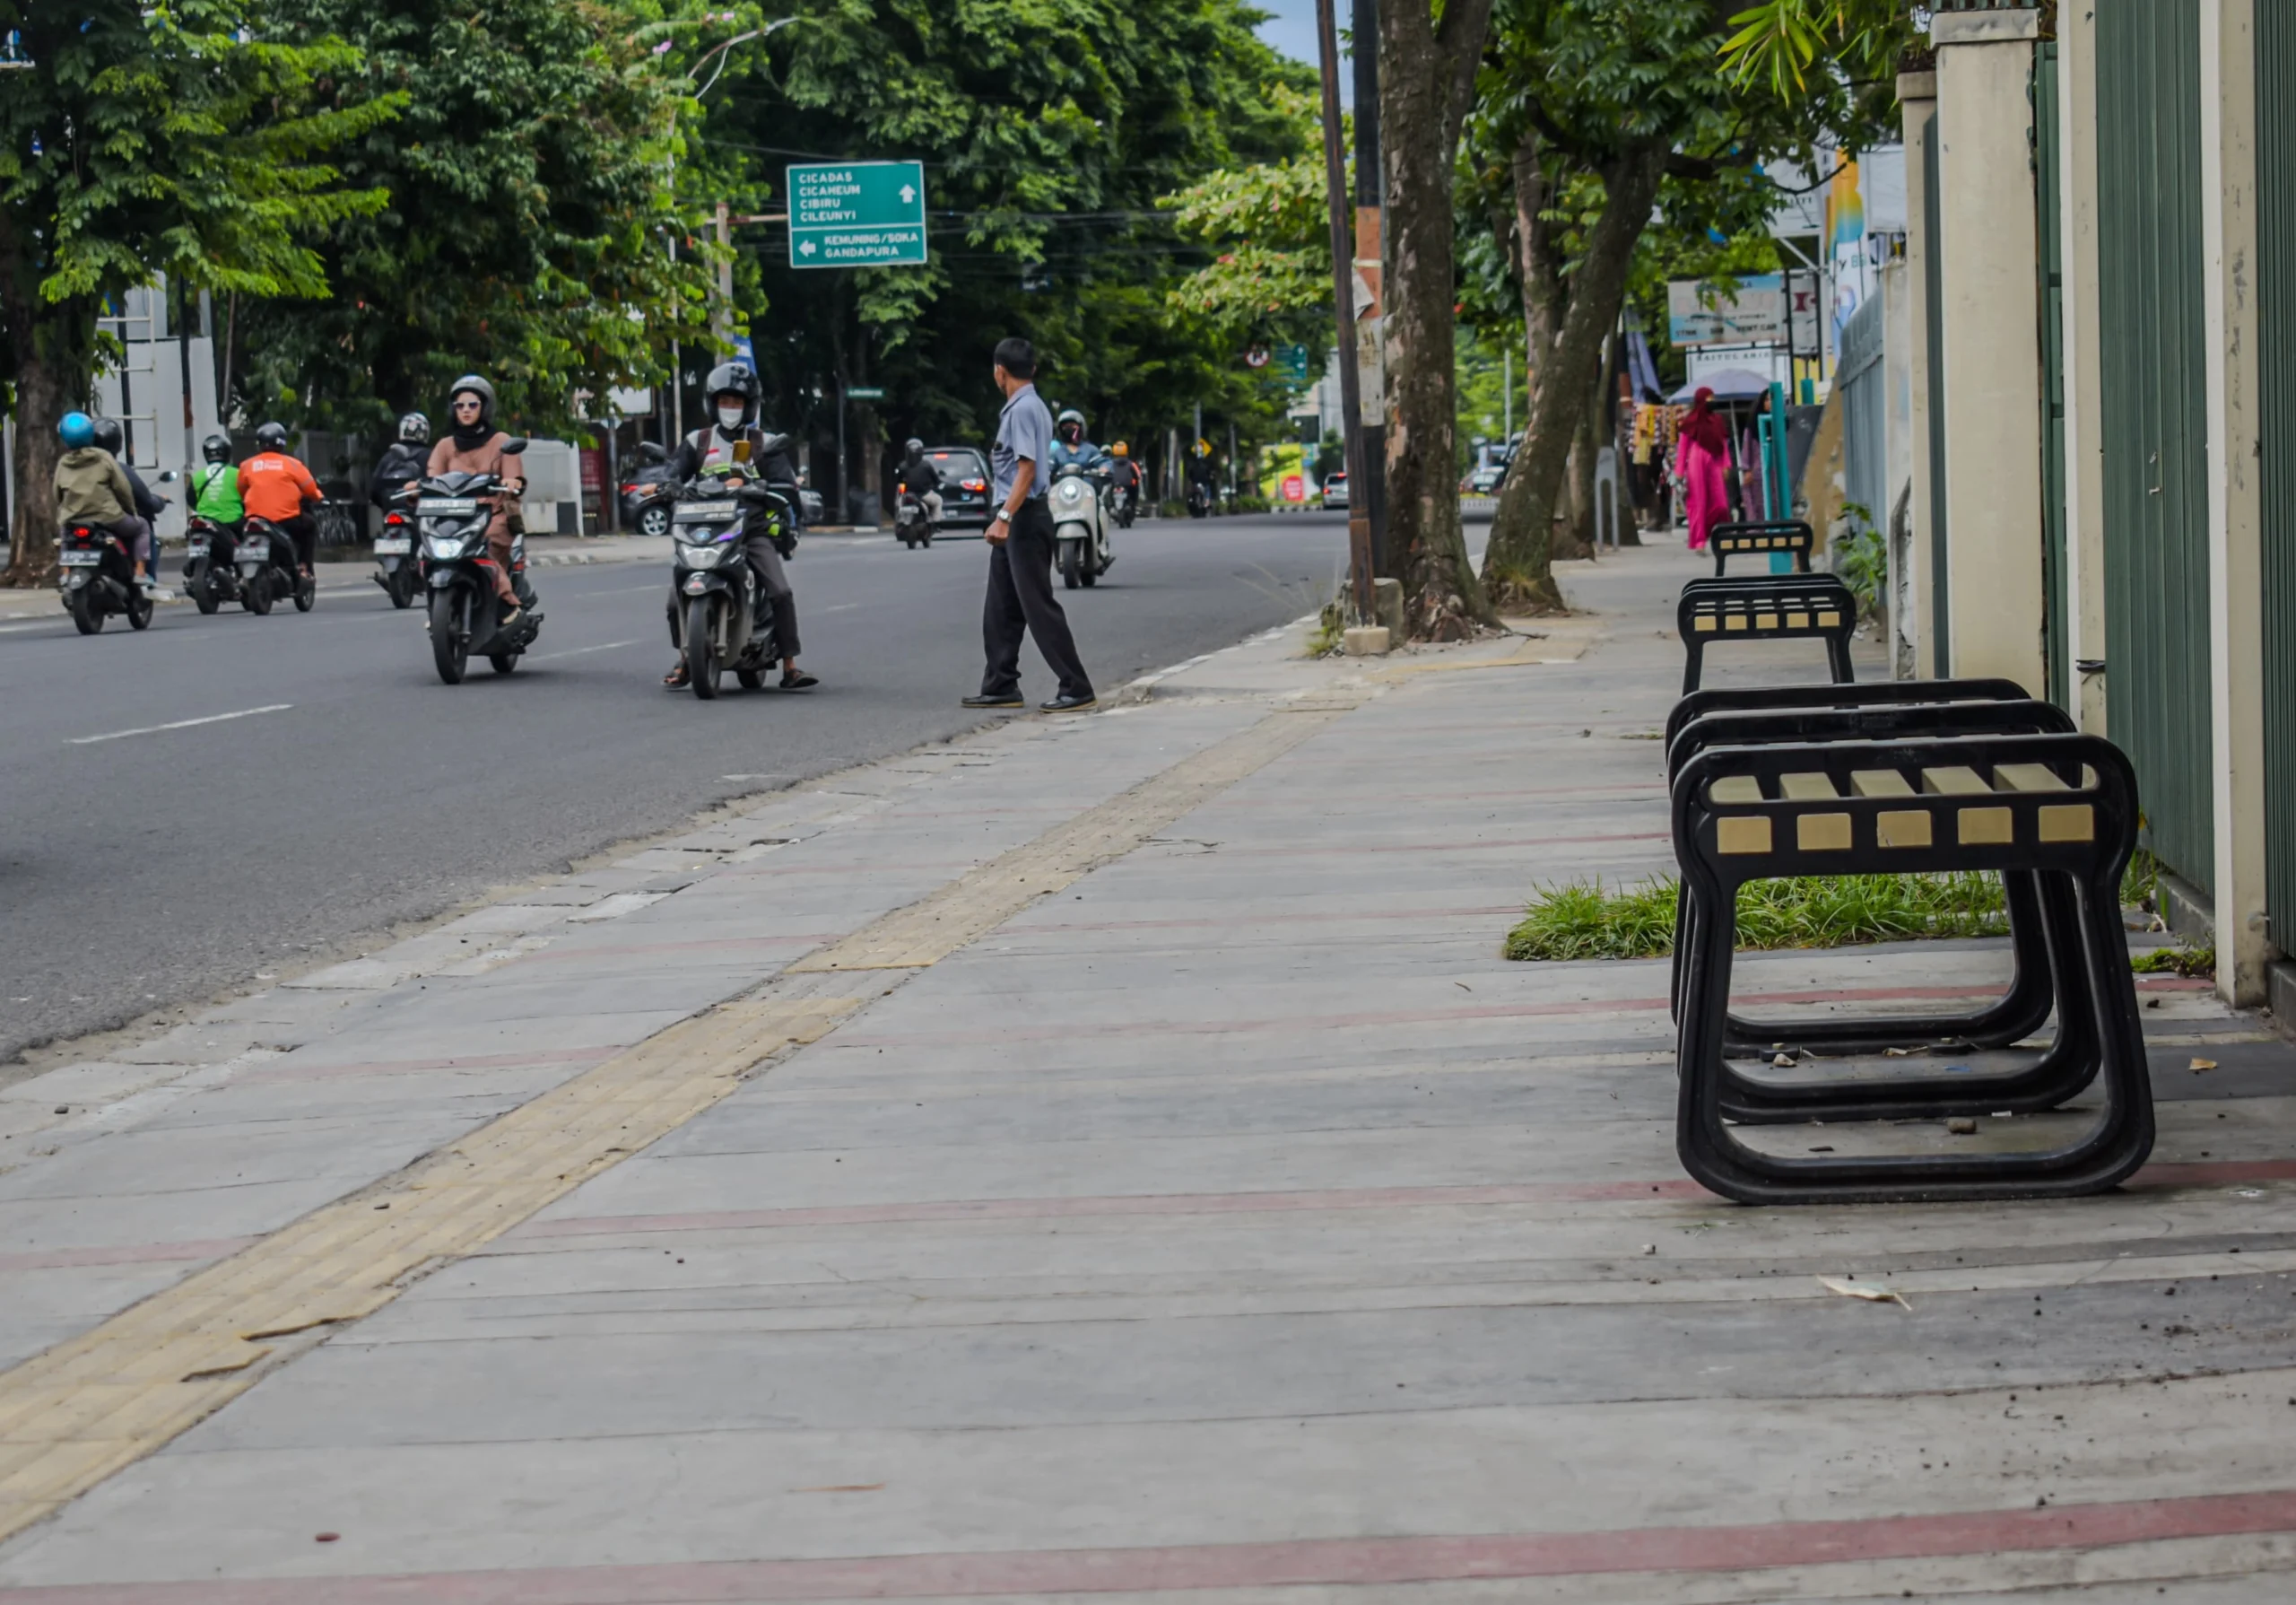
[[2276, 362], [2153, 375]]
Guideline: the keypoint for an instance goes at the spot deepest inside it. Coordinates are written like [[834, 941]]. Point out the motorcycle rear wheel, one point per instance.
[[203, 588], [401, 587], [139, 610], [700, 649], [87, 618], [752, 679], [504, 662], [257, 598], [449, 634]]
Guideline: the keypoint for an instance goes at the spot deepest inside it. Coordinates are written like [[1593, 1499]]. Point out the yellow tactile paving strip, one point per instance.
[[968, 908], [74, 1415]]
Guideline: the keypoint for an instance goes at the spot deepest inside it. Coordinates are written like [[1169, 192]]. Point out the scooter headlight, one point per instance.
[[443, 548], [700, 557]]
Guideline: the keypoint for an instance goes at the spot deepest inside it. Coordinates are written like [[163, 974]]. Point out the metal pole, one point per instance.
[[1343, 307], [1506, 393], [1370, 255], [844, 512]]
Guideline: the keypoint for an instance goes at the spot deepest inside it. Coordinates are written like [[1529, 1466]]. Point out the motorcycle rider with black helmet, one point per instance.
[[916, 476], [713, 452], [110, 437], [402, 461], [278, 487]]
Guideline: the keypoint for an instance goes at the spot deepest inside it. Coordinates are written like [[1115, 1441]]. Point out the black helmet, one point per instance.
[[479, 388], [108, 436], [271, 436], [735, 379], [414, 429], [915, 448], [215, 448]]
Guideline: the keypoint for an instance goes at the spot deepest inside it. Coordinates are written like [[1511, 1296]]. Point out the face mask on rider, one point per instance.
[[730, 417]]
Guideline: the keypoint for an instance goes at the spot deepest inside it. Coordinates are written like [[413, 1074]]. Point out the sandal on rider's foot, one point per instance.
[[677, 679], [797, 679]]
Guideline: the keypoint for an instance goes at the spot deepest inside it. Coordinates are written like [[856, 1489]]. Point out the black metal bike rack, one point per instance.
[[2055, 805], [1759, 538], [1872, 693], [1766, 607], [2042, 930]]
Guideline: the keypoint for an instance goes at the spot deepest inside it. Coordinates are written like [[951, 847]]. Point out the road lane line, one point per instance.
[[180, 724], [72, 1416], [577, 651]]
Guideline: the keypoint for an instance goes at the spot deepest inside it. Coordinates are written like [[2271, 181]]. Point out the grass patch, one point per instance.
[[1583, 919], [2186, 962]]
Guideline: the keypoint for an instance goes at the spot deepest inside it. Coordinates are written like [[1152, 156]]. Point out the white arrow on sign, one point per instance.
[[805, 247], [908, 194]]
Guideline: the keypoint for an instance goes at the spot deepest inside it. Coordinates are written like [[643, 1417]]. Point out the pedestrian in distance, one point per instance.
[[1704, 443], [1020, 599]]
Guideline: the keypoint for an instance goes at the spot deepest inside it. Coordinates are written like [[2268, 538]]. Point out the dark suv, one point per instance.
[[964, 487]]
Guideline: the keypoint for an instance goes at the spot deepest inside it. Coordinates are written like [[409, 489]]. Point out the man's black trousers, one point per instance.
[[1021, 600]]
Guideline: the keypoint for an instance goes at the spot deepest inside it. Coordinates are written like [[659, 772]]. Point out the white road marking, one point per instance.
[[180, 724], [577, 651]]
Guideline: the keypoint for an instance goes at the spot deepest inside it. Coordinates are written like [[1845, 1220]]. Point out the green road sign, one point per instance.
[[1291, 363], [856, 214], [864, 393]]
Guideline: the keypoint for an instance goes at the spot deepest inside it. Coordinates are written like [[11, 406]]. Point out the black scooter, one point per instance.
[[395, 567], [265, 559], [209, 577], [715, 598], [451, 513], [98, 578]]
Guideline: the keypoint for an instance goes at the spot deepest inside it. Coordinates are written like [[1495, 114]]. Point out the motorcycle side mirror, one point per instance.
[[168, 477], [514, 445], [772, 444]]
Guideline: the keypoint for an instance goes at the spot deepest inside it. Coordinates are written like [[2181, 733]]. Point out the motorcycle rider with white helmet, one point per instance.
[[734, 450]]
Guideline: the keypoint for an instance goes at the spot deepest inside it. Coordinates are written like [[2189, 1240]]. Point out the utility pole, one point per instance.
[[1359, 550], [1370, 258]]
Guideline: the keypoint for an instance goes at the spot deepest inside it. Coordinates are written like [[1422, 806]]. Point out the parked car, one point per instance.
[[809, 504], [1485, 480], [647, 494], [1336, 491], [964, 489]]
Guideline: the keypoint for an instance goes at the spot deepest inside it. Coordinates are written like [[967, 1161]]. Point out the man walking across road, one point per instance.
[[1021, 544]]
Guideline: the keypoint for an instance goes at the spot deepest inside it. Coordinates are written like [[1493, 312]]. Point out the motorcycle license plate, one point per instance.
[[708, 512], [73, 560], [390, 545], [446, 507], [198, 548]]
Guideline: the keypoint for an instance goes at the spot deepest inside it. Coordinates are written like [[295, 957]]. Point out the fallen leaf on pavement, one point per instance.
[[1871, 1295], [2199, 1065]]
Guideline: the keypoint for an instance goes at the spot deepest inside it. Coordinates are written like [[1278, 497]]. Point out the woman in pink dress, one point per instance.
[[1704, 443]]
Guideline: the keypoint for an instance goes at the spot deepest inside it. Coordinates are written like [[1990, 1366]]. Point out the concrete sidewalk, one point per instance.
[[1108, 1159]]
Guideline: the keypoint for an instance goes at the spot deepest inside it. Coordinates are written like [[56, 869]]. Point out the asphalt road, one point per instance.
[[343, 788]]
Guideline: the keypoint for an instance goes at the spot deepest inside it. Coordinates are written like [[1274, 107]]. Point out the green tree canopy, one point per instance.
[[531, 218], [148, 138]]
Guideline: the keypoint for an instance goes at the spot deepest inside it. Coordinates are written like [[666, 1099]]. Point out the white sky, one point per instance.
[[1291, 28]]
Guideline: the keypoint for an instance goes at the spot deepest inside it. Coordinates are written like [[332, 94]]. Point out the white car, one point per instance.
[[1336, 491]]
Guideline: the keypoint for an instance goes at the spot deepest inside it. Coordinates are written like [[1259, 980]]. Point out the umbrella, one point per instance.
[[1728, 384]]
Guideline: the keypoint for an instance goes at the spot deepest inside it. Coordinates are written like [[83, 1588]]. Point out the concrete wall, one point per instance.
[[1917, 99], [1990, 257]]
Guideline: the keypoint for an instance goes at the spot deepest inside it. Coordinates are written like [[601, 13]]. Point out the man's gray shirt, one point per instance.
[[1023, 429]]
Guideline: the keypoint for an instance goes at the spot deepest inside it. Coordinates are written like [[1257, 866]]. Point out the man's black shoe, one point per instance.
[[1068, 704], [1011, 699]]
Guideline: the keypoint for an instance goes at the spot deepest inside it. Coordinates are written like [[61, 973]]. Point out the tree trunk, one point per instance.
[[1519, 559], [52, 343], [1426, 84]]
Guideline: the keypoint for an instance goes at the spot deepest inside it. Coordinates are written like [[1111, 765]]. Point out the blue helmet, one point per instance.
[[77, 430]]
